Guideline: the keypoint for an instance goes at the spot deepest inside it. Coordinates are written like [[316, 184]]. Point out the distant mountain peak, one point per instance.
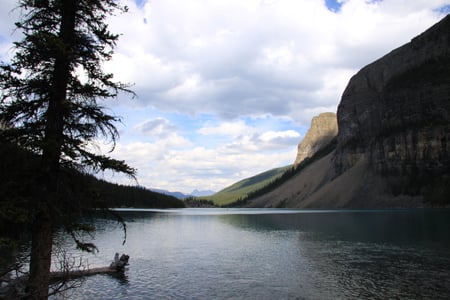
[[180, 195], [202, 193]]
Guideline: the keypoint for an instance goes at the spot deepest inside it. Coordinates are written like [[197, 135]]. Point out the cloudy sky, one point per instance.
[[227, 88]]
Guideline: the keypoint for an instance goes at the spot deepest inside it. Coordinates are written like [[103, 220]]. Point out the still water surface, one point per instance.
[[274, 254]]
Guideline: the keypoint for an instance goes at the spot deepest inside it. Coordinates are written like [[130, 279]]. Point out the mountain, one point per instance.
[[323, 129], [178, 195], [197, 193], [322, 132], [241, 189], [393, 143]]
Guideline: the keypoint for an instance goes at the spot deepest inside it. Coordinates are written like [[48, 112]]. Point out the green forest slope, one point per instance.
[[241, 189]]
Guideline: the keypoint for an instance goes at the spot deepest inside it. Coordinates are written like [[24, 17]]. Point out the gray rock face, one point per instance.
[[396, 111], [393, 145], [323, 129]]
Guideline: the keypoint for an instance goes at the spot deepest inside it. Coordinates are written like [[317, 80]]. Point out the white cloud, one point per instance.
[[174, 162], [235, 58], [280, 135], [258, 70], [9, 15], [234, 128], [159, 127], [162, 166]]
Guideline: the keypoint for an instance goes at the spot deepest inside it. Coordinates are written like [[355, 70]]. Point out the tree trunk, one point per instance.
[[41, 252], [50, 163]]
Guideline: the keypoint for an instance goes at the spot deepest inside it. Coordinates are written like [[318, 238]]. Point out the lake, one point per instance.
[[273, 254]]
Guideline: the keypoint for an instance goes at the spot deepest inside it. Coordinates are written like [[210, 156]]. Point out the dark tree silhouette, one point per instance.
[[49, 95]]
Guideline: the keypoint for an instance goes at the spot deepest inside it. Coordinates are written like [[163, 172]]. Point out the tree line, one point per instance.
[[17, 185]]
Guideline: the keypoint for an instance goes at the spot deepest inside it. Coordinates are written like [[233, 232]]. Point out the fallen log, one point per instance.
[[16, 288], [116, 267]]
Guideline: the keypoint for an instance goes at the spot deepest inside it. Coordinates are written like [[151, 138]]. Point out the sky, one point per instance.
[[227, 89]]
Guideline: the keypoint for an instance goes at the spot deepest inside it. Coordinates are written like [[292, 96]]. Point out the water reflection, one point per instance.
[[402, 226], [276, 254]]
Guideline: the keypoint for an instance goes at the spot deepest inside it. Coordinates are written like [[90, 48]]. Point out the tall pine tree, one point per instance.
[[49, 95]]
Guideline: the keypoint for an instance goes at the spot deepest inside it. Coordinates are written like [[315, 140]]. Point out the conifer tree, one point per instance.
[[49, 97]]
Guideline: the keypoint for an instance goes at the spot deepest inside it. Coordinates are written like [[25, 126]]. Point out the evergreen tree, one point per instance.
[[49, 95]]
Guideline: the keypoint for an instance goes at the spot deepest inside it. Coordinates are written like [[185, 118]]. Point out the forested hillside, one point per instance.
[[18, 169], [240, 190], [17, 185]]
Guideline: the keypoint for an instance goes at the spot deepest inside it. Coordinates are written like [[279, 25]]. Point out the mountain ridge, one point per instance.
[[180, 195], [393, 142], [241, 189]]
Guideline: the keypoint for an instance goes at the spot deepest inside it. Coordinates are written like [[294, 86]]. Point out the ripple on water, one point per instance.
[[288, 256]]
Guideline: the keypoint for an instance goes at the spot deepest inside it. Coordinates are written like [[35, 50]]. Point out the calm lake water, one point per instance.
[[274, 254]]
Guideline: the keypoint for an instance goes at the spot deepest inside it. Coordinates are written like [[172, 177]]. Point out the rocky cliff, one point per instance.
[[395, 114], [396, 111], [323, 129], [393, 144]]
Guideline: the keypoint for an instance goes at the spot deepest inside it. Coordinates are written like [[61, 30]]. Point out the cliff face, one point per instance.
[[393, 144], [323, 129], [396, 111]]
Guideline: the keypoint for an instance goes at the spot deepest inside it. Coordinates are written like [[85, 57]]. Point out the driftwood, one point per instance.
[[16, 288], [116, 267]]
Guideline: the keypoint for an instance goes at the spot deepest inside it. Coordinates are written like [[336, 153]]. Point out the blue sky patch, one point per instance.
[[333, 5], [140, 3], [336, 5], [444, 9]]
